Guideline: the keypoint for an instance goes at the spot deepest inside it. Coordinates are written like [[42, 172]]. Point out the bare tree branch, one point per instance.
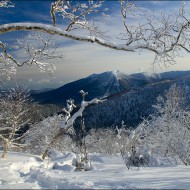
[[165, 35]]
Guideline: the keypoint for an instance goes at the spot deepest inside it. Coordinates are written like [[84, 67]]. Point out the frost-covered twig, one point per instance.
[[7, 64], [37, 52], [6, 4], [165, 41], [70, 119], [78, 14], [165, 35]]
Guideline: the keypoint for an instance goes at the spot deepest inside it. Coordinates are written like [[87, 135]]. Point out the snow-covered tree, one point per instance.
[[168, 129], [14, 115], [130, 146], [54, 129], [41, 134], [164, 34], [102, 141]]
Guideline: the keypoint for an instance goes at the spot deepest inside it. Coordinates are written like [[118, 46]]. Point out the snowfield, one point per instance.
[[24, 171]]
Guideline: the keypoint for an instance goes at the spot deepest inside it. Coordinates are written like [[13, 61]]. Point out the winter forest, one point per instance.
[[107, 131]]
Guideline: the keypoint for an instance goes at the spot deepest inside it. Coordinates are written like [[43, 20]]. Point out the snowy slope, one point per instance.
[[97, 85], [104, 84], [21, 171]]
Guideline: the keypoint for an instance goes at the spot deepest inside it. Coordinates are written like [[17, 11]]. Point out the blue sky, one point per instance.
[[82, 59]]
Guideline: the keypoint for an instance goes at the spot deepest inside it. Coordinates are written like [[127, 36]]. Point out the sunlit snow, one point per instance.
[[24, 171]]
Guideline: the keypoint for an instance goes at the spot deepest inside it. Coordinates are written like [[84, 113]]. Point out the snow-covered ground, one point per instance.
[[22, 171]]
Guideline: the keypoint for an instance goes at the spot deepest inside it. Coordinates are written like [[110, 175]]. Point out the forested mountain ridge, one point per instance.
[[129, 97], [132, 106], [104, 84]]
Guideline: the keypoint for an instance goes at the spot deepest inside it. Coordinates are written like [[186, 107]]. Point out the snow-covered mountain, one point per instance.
[[134, 105], [97, 85], [105, 84], [129, 97]]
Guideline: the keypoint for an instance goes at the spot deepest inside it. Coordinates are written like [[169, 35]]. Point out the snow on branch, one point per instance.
[[168, 38], [7, 66], [69, 119], [2, 137], [78, 14], [6, 4], [165, 35], [38, 51], [58, 31]]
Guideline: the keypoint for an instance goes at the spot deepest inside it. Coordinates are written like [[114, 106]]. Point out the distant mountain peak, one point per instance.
[[105, 84], [120, 75], [117, 74]]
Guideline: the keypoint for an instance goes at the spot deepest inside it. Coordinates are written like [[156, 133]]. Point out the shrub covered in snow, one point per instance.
[[15, 114], [167, 131], [69, 161]]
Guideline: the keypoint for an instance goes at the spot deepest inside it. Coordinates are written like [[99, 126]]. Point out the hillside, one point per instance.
[[97, 85], [103, 84], [129, 97], [131, 107]]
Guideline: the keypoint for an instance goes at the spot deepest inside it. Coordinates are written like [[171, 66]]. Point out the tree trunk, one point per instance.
[[5, 149], [45, 153], [60, 133]]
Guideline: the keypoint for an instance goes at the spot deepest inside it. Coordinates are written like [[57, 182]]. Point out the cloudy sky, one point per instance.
[[83, 59]]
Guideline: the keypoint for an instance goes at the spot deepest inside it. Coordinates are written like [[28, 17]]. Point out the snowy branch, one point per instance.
[[7, 66], [78, 14], [69, 120], [2, 137], [161, 43], [165, 35], [57, 31], [6, 4]]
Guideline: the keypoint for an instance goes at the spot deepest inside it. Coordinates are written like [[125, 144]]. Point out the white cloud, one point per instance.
[[44, 81]]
